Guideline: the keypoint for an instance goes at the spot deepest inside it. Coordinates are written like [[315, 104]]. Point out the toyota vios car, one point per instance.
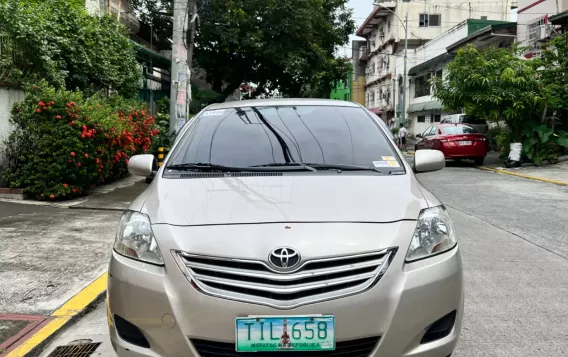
[[285, 228]]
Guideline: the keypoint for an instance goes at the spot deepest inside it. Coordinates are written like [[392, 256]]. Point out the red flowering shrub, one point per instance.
[[63, 145]]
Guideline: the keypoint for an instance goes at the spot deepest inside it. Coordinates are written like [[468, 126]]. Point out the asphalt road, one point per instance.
[[514, 241]]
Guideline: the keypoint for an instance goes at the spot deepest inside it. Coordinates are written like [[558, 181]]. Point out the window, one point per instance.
[[372, 98], [430, 20], [251, 136], [484, 17], [388, 26], [421, 118], [437, 117], [438, 74], [458, 129], [422, 86]]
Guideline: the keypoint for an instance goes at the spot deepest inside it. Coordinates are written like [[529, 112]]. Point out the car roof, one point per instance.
[[451, 124], [283, 102]]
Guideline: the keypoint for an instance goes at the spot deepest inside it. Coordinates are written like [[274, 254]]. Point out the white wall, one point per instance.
[[8, 97]]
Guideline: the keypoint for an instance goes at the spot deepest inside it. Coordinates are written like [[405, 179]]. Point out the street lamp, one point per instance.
[[405, 27]]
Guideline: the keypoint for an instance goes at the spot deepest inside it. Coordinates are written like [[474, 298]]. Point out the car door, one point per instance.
[[420, 144], [427, 136]]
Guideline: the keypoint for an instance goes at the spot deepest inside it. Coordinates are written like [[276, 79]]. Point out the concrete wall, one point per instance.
[[8, 97]]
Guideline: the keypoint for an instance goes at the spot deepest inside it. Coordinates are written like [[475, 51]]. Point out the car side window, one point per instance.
[[428, 132]]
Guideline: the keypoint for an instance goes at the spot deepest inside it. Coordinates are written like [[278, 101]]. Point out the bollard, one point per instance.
[[160, 156]]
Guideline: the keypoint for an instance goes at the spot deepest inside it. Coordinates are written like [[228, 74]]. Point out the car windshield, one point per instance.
[[279, 136], [458, 129]]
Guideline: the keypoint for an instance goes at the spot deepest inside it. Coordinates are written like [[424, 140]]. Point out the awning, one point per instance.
[[376, 110], [424, 107], [422, 67], [487, 36], [559, 19]]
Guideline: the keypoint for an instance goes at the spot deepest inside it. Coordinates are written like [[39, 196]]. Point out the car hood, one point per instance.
[[288, 198]]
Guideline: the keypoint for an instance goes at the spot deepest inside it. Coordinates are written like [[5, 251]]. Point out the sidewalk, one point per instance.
[[53, 262], [556, 173]]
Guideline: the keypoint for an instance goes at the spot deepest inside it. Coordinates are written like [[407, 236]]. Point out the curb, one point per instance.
[[63, 317], [507, 172]]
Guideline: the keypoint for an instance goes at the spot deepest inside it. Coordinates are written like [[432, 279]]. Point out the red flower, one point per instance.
[[72, 122], [72, 153], [78, 164], [68, 105], [41, 104], [51, 196], [97, 161], [65, 185], [41, 195], [58, 117], [82, 136], [77, 116], [69, 161], [38, 110], [86, 155], [126, 161]]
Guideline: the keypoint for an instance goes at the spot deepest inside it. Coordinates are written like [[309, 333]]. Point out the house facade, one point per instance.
[[432, 59], [384, 31], [533, 24]]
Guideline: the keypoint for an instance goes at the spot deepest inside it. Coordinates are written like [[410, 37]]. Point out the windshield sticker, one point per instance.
[[393, 163], [381, 164], [388, 158], [211, 113]]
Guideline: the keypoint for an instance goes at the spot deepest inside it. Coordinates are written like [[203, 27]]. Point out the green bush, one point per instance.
[[64, 144], [58, 41]]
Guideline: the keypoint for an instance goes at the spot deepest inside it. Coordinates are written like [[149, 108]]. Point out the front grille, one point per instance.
[[315, 280], [354, 348]]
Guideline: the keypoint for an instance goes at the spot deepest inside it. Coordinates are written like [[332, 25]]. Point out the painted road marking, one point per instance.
[[63, 316], [507, 172]]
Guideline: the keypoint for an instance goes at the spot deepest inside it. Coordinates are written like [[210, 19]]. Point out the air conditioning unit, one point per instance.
[[540, 33]]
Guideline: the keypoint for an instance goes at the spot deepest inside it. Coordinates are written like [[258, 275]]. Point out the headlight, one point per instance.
[[434, 234], [136, 240]]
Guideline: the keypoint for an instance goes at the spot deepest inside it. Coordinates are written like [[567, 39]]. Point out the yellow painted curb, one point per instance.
[[62, 316], [507, 172]]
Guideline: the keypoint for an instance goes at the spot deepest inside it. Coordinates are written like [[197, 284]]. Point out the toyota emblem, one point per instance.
[[284, 258]]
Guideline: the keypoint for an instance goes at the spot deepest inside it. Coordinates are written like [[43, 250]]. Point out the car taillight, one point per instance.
[[480, 139], [444, 140]]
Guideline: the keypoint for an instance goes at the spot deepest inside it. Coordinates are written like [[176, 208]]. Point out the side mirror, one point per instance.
[[428, 160], [141, 165], [418, 135]]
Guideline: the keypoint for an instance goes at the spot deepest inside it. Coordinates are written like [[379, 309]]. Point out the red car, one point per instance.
[[456, 141]]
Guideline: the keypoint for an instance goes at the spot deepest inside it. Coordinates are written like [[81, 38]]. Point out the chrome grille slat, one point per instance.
[[288, 290], [284, 277], [255, 281]]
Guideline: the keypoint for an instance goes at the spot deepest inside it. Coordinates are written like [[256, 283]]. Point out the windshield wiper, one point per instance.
[[292, 165], [203, 166], [346, 168]]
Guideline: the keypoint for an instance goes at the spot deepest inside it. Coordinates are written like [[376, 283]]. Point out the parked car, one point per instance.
[[478, 124], [456, 141], [285, 227]]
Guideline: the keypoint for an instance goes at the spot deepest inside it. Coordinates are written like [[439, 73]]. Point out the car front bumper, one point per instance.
[[171, 313]]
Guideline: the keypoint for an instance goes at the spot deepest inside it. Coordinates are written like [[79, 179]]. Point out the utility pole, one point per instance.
[[182, 54]]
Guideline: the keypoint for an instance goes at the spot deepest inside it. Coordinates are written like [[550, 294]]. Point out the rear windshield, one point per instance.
[[252, 136], [458, 129]]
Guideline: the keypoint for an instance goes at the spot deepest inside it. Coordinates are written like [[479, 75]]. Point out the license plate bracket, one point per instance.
[[285, 333]]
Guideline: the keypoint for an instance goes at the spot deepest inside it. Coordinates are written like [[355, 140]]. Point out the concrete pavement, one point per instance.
[[50, 259], [514, 244]]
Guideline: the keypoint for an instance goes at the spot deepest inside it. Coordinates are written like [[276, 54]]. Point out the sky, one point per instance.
[[362, 9]]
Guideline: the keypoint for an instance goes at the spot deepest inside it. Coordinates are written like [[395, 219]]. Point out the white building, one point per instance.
[[433, 58], [533, 26], [385, 34]]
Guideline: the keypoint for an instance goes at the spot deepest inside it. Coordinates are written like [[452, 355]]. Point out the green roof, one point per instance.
[[487, 29], [147, 56]]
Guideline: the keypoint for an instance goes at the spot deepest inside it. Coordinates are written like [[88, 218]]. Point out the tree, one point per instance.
[[497, 85], [61, 43], [288, 45], [159, 15]]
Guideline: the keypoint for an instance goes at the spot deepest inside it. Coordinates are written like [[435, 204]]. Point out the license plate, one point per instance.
[[465, 142], [289, 333]]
